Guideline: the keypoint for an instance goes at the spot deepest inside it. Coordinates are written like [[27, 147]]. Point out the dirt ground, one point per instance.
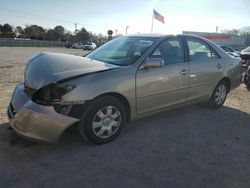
[[192, 146]]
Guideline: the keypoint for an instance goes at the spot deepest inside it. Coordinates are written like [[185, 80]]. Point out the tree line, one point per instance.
[[58, 33], [244, 32]]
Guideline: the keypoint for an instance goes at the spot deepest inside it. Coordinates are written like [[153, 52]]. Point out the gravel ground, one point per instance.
[[192, 146]]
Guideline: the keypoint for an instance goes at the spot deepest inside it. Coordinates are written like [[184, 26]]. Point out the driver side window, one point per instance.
[[170, 50]]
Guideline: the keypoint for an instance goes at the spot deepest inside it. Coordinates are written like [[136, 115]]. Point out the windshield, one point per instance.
[[246, 49], [122, 51]]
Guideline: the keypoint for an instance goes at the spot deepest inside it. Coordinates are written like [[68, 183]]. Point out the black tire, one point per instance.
[[109, 107], [246, 80], [218, 97]]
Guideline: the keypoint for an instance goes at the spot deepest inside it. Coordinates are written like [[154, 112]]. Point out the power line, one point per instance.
[[35, 16], [32, 15]]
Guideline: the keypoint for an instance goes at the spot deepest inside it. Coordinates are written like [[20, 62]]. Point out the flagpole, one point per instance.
[[152, 24]]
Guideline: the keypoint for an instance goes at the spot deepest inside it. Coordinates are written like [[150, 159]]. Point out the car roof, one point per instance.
[[225, 46], [156, 35], [162, 37]]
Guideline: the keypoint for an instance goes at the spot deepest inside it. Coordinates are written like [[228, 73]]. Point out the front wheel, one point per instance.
[[219, 95], [103, 120]]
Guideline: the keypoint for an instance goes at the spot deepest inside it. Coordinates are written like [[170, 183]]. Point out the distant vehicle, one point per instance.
[[77, 46], [68, 44], [89, 46], [245, 58], [124, 79], [246, 77], [230, 51]]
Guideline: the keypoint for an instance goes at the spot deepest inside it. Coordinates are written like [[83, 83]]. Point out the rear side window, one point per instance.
[[200, 51], [227, 49], [170, 50]]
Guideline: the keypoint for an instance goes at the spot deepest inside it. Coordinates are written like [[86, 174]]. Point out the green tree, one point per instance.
[[68, 36], [51, 35], [82, 35], [34, 32], [6, 31], [102, 39], [59, 32], [18, 31]]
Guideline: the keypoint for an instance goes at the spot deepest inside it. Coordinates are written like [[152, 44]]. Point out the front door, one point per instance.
[[165, 86]]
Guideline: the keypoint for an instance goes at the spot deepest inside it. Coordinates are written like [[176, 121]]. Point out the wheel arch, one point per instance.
[[227, 80], [121, 98]]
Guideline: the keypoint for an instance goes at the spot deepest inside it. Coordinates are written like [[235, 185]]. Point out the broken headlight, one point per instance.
[[52, 94]]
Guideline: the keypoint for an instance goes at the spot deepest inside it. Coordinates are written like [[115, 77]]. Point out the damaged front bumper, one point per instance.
[[34, 121]]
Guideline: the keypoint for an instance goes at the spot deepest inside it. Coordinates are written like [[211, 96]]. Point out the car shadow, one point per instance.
[[70, 136], [176, 143], [191, 117], [194, 117], [9, 136]]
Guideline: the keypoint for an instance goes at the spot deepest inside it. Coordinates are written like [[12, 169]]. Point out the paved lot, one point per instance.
[[192, 146]]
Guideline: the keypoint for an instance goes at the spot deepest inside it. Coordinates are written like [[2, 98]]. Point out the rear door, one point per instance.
[[206, 68]]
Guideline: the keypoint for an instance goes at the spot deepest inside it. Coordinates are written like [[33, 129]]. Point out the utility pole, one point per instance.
[[217, 29], [127, 30], [152, 23], [75, 26], [116, 32]]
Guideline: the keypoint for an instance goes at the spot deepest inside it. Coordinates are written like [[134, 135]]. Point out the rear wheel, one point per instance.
[[219, 95], [246, 80], [103, 120]]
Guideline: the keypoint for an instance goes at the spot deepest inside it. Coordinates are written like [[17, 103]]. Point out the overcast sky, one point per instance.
[[98, 16]]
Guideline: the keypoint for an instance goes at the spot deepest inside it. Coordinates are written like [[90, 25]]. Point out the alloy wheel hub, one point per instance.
[[220, 94], [106, 122]]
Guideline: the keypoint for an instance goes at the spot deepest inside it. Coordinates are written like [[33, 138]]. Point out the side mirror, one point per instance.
[[153, 63]]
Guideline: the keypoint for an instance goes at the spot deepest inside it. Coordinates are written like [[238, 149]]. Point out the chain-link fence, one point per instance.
[[31, 42]]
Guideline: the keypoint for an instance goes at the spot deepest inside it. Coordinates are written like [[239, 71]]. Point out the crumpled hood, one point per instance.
[[46, 68]]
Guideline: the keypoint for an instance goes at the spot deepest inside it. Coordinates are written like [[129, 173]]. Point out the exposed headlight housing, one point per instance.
[[52, 94]]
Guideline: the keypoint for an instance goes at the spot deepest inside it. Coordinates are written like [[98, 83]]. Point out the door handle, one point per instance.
[[183, 72], [219, 66]]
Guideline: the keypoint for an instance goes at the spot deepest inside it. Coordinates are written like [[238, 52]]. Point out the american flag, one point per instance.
[[158, 17]]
